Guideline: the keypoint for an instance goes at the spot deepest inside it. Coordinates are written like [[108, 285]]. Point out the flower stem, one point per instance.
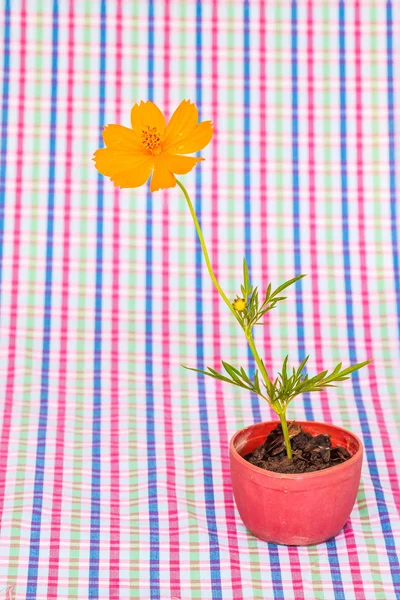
[[204, 249], [248, 334], [285, 432], [258, 360]]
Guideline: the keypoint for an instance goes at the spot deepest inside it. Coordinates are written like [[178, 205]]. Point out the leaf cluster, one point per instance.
[[287, 385], [291, 383], [234, 376], [256, 307]]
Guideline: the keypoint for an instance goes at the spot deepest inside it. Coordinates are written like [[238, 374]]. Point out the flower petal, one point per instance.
[[109, 161], [181, 124], [121, 138], [197, 140], [162, 177], [133, 178], [128, 170], [180, 164], [147, 113]]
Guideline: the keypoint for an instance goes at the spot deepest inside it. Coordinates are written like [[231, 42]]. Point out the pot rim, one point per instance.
[[296, 476]]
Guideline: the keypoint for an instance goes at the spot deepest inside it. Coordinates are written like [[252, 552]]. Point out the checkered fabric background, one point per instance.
[[114, 474]]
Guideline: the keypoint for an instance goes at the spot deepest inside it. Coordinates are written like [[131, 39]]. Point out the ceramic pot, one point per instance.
[[295, 510]]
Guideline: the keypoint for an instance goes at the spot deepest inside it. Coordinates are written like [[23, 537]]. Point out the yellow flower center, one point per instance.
[[151, 139], [239, 304]]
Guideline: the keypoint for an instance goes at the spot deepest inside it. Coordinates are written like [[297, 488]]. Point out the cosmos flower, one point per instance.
[[153, 147]]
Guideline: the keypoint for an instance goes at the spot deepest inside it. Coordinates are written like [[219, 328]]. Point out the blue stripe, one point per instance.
[[296, 203], [368, 443], [203, 413], [331, 545], [392, 158], [255, 403], [151, 437], [276, 572], [34, 550], [94, 553], [4, 128], [334, 566]]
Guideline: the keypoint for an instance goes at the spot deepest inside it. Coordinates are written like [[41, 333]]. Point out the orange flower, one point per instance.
[[151, 146]]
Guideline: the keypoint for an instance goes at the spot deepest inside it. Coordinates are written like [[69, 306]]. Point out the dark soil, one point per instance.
[[309, 453]]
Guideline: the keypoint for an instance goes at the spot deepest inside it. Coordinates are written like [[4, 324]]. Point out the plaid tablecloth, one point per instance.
[[114, 474]]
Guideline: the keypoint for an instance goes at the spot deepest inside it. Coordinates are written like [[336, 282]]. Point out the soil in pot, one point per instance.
[[309, 453]]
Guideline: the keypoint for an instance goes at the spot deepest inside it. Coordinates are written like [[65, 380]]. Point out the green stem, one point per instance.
[[249, 336], [285, 432], [204, 249], [258, 360]]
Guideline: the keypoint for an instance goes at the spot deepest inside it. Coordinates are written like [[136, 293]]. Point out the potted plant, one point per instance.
[[294, 483]]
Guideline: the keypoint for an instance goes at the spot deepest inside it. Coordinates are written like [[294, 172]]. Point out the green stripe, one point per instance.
[[134, 348], [375, 124], [280, 45], [79, 462], [237, 347], [185, 308], [32, 324]]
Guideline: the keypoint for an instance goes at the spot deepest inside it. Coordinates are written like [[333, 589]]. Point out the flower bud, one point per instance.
[[239, 304]]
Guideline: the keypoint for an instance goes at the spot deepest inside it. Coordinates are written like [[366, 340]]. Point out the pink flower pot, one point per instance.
[[295, 510]]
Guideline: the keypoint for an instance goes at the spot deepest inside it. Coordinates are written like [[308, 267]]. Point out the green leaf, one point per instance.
[[257, 382], [244, 376], [230, 370], [287, 284], [318, 377], [254, 295], [270, 387], [246, 274], [355, 367], [335, 373], [302, 364], [211, 374], [212, 371], [337, 369], [233, 368], [284, 366], [216, 375], [325, 385]]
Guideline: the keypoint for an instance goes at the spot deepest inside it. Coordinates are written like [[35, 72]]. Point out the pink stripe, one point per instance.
[[52, 590], [173, 509], [394, 482], [349, 534], [264, 189], [312, 203], [5, 433], [293, 552], [234, 556], [114, 586]]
